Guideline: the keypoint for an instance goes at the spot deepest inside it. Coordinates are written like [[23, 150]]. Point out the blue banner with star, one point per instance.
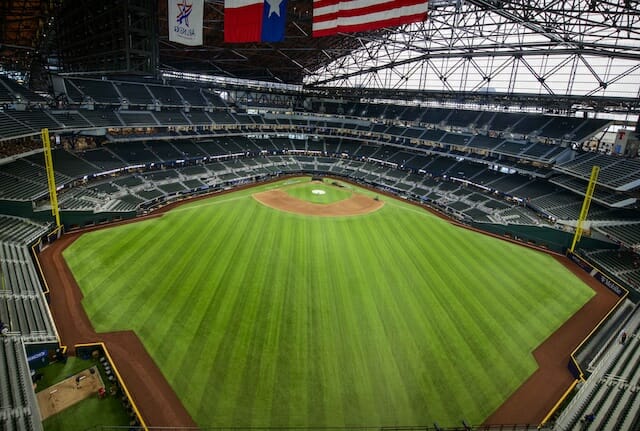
[[274, 20]]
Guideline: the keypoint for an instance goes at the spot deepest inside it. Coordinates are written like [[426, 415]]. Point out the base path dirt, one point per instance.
[[160, 406], [355, 205]]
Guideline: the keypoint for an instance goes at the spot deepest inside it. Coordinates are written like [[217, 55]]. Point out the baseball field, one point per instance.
[[275, 306]]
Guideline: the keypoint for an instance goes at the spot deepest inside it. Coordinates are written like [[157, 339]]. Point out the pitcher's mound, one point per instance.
[[355, 205]]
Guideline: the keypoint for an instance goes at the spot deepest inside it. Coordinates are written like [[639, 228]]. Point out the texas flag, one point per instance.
[[254, 20]]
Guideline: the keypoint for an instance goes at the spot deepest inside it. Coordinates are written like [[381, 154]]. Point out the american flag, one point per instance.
[[348, 16]]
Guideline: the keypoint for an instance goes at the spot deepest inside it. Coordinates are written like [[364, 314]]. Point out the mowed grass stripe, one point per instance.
[[478, 347], [445, 364], [411, 317], [394, 387], [160, 253], [264, 318], [235, 347], [195, 351]]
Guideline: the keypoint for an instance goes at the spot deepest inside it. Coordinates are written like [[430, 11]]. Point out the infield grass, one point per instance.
[[317, 192], [259, 317]]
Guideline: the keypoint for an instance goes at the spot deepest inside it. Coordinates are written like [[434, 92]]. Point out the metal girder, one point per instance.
[[114, 37], [544, 47], [561, 103], [23, 26]]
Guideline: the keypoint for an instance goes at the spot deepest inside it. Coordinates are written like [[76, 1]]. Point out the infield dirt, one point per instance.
[[357, 204]]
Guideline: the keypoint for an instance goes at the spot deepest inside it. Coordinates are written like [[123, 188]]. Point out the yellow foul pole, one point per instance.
[[585, 205], [51, 178]]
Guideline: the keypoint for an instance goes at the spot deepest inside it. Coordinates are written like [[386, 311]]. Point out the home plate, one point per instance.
[[318, 192]]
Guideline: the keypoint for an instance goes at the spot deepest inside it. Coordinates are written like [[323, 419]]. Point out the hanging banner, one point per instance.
[[185, 21], [254, 20]]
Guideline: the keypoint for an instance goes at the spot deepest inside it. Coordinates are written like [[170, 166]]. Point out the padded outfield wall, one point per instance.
[[553, 239]]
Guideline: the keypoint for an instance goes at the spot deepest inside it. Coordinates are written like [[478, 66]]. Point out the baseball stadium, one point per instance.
[[370, 215]]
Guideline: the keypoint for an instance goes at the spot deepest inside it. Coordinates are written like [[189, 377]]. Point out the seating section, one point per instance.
[[18, 405], [167, 96], [617, 173], [70, 119], [20, 230], [5, 94], [537, 193], [19, 91], [22, 303], [102, 118], [628, 234], [10, 128], [170, 118], [610, 394], [135, 94], [17, 188], [602, 195], [193, 97], [24, 310], [437, 161], [139, 118], [589, 128], [133, 152], [36, 120], [530, 124], [561, 127], [402, 173], [622, 264], [96, 90]]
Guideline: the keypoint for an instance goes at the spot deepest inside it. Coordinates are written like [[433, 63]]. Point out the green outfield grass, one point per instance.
[[318, 193], [259, 317]]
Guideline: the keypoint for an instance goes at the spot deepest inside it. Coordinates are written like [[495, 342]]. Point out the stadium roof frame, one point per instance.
[[578, 49]]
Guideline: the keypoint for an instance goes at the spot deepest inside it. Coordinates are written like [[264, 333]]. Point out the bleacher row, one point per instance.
[[398, 164], [627, 233], [601, 195], [11, 92], [20, 230], [18, 409], [22, 303], [408, 121], [473, 203], [24, 309], [104, 92], [612, 393], [624, 265], [616, 172], [155, 184], [505, 153]]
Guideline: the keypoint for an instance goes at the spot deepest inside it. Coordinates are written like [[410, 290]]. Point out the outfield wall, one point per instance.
[[602, 330], [553, 239]]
